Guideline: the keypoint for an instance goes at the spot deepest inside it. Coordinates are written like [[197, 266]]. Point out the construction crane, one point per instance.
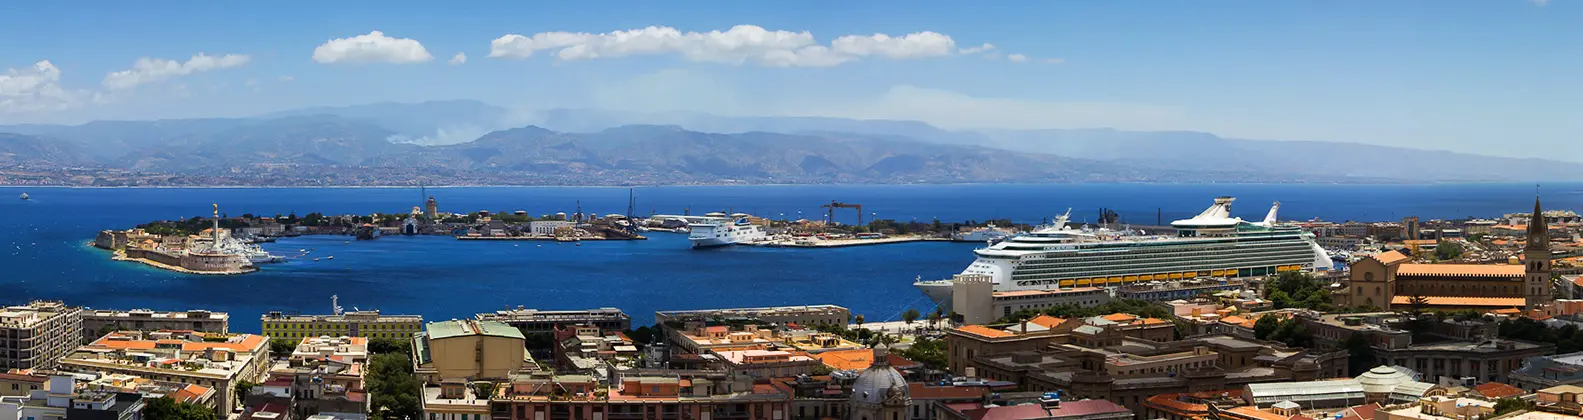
[[829, 217]]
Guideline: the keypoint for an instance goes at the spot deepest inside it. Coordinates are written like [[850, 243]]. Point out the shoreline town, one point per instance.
[[1212, 317]]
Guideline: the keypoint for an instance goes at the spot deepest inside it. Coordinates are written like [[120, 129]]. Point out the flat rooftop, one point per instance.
[[373, 315], [145, 313], [522, 314]]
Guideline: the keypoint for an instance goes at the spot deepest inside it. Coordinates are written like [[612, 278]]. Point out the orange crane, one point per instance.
[[829, 217]]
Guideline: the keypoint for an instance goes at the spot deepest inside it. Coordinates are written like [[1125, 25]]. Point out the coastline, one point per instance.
[[120, 255]]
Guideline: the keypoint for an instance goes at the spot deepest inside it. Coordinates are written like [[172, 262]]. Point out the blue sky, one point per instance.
[[1497, 77]]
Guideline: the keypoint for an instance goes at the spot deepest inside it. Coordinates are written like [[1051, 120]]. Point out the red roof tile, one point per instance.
[[1498, 390]]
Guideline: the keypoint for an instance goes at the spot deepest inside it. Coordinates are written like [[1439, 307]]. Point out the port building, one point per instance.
[[98, 322], [535, 321], [807, 315], [369, 324], [36, 335], [177, 356]]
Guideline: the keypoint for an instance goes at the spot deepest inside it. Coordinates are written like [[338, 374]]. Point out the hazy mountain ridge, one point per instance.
[[329, 143]]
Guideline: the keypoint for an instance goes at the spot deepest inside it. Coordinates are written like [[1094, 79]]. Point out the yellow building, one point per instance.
[[467, 350], [367, 324]]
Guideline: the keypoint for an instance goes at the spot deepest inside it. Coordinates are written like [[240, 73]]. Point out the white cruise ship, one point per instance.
[[715, 229], [1211, 244]]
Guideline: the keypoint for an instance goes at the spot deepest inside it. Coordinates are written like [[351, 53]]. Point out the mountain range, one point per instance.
[[467, 142]]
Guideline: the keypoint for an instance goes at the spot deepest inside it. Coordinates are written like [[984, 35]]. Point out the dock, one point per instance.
[[841, 243], [547, 238]]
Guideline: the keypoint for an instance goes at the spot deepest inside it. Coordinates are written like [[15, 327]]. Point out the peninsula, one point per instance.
[[220, 244]]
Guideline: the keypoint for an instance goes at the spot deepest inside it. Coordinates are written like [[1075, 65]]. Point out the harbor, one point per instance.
[[796, 242]]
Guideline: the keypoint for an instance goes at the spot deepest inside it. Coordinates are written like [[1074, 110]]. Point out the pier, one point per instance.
[[841, 243]]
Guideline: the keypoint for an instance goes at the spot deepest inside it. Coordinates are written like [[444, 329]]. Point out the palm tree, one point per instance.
[[934, 319], [910, 315], [859, 320]]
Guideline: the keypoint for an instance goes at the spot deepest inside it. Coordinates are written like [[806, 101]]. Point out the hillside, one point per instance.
[[385, 144]]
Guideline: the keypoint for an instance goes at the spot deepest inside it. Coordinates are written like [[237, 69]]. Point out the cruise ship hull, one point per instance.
[[1210, 245]]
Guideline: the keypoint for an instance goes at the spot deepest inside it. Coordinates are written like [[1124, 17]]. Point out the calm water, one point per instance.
[[45, 257]]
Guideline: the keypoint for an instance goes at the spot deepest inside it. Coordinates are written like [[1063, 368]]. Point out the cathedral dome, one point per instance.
[[879, 383]]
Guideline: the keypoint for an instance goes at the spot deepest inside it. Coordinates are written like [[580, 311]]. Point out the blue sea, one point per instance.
[[45, 255]]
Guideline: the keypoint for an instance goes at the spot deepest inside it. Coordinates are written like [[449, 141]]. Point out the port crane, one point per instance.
[[830, 211]]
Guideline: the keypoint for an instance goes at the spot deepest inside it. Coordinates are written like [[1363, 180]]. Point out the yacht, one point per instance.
[[716, 229], [990, 234], [1211, 244]]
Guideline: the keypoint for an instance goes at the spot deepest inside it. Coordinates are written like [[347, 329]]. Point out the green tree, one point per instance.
[[935, 316], [282, 347], [1265, 326], [484, 389], [858, 320], [1417, 303], [1360, 355], [396, 392], [1509, 405], [931, 352], [1447, 250], [910, 315], [243, 388], [389, 345], [165, 408]]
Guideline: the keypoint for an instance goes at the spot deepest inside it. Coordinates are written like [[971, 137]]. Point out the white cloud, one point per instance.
[[1540, 3], [150, 70], [740, 44], [987, 47], [371, 47], [916, 45], [35, 88], [286, 78], [458, 59], [1017, 58], [251, 82]]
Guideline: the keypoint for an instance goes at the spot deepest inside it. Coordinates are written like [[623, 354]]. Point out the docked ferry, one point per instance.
[[715, 229], [1211, 244]]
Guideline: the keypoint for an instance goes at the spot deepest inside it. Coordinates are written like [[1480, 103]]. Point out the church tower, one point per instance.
[[1539, 292]]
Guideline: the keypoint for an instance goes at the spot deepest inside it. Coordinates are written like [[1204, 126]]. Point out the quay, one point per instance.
[[842, 243], [121, 255], [546, 238]]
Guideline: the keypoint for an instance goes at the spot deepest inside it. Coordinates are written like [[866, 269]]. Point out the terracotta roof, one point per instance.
[[1498, 390], [189, 393], [249, 343], [983, 331], [1491, 302], [1460, 270], [1389, 257], [1170, 403], [1119, 317], [1046, 321], [1254, 413], [23, 378], [1362, 412], [1151, 321], [856, 359], [919, 390], [1234, 320]]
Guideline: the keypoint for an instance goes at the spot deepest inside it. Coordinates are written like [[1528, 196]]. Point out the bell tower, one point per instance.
[[1538, 290]]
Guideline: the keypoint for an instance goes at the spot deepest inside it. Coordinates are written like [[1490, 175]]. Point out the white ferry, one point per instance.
[[1211, 244], [717, 229]]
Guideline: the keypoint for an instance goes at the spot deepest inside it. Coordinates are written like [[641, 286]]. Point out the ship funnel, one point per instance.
[[1269, 219]]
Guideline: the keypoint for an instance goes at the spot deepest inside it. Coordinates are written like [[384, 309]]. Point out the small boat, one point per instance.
[[330, 257], [24, 196], [315, 259]]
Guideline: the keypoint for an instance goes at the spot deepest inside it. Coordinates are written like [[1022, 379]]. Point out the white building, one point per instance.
[[548, 227]]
